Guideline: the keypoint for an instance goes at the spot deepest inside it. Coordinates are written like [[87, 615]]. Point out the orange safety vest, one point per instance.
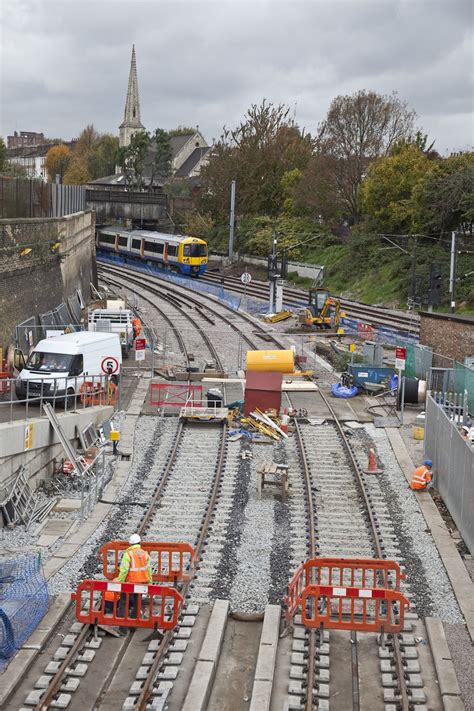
[[138, 571], [421, 477], [111, 596]]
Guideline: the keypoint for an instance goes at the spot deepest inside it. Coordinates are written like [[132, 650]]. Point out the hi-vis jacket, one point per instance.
[[421, 477], [135, 566]]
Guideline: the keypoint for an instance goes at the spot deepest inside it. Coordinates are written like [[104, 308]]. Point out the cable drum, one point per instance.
[[415, 391]]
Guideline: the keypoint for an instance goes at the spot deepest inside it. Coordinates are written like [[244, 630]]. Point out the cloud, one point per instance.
[[65, 64]]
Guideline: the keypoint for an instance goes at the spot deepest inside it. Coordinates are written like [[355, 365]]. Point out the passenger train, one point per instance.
[[187, 255]]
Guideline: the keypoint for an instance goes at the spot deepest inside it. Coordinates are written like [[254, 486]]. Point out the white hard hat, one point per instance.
[[134, 538], [465, 428]]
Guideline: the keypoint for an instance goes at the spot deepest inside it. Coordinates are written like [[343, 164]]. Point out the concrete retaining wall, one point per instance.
[[40, 280], [453, 466], [45, 446]]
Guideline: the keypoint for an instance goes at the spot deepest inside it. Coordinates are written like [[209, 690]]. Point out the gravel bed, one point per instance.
[[152, 441], [252, 581], [431, 589]]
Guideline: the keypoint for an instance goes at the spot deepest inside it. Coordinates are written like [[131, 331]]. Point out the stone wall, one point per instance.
[[61, 259], [448, 335]]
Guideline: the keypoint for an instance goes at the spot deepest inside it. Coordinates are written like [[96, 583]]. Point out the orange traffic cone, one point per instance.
[[372, 464]]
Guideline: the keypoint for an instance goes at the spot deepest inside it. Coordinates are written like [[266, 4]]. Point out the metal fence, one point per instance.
[[453, 466], [30, 197]]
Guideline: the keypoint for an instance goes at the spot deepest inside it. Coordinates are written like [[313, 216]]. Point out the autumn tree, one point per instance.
[[444, 201], [78, 171], [387, 191], [257, 154], [57, 161], [182, 131], [358, 129]]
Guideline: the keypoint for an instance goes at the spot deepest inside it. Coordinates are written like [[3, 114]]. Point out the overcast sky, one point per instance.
[[65, 63]]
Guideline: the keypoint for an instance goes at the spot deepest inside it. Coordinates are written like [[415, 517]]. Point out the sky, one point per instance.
[[65, 64]]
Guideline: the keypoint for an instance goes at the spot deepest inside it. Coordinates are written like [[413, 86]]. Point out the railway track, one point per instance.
[[297, 298], [323, 520], [355, 524]]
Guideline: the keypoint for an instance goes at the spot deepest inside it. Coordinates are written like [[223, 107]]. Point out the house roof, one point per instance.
[[191, 162], [178, 142]]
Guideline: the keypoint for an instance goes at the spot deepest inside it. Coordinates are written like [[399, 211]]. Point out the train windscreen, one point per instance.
[[195, 250]]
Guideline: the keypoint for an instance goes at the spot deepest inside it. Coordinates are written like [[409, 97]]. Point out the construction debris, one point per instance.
[[280, 316], [21, 506]]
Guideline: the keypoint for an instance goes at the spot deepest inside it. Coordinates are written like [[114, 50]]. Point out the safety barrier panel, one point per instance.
[[170, 562], [353, 608], [94, 394], [160, 394], [335, 593], [127, 607]]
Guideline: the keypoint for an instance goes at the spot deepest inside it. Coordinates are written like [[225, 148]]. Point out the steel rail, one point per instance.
[[165, 317], [198, 304], [171, 300], [146, 692], [373, 314]]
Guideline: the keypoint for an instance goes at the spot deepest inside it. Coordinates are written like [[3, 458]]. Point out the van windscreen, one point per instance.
[[49, 362]]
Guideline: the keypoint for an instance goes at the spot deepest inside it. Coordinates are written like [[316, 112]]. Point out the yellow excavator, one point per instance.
[[323, 311]]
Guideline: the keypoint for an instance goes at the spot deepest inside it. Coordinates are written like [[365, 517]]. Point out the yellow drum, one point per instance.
[[418, 432], [271, 361]]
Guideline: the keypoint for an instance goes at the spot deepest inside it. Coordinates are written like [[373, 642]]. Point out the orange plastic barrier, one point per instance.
[[170, 562], [94, 394], [5, 381], [315, 581], [353, 608], [161, 611]]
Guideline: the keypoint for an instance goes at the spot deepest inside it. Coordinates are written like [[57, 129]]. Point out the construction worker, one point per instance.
[[464, 432], [135, 567], [109, 599], [421, 478], [137, 327]]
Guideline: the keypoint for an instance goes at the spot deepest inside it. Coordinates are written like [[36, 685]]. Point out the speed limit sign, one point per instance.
[[109, 365], [246, 278]]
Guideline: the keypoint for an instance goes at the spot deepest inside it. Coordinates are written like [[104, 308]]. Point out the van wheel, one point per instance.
[[70, 398]]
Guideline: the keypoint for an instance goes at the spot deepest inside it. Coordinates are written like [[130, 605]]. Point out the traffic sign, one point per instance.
[[400, 358], [109, 365], [246, 278], [140, 344]]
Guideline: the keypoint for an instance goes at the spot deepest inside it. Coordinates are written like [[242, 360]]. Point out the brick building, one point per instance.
[[448, 335], [25, 139]]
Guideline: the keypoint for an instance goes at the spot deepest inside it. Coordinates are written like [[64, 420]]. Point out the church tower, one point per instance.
[[131, 117]]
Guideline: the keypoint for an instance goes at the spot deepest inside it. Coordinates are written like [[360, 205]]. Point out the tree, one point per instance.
[[3, 154], [104, 158], [132, 159], [57, 161], [387, 191], [445, 199], [257, 154], [182, 131], [78, 171], [161, 147], [358, 129]]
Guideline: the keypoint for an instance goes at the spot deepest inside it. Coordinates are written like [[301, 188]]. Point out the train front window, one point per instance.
[[194, 250]]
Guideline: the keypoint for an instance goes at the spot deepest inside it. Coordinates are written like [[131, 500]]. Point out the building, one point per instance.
[[190, 152], [131, 117], [26, 139], [32, 158]]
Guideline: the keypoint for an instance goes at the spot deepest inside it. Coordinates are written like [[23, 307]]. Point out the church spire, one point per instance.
[[131, 116]]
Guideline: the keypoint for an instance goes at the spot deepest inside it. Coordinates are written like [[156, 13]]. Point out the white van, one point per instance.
[[58, 366]]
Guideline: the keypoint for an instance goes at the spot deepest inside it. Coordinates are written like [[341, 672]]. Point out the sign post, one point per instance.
[[400, 362], [246, 278], [140, 346]]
